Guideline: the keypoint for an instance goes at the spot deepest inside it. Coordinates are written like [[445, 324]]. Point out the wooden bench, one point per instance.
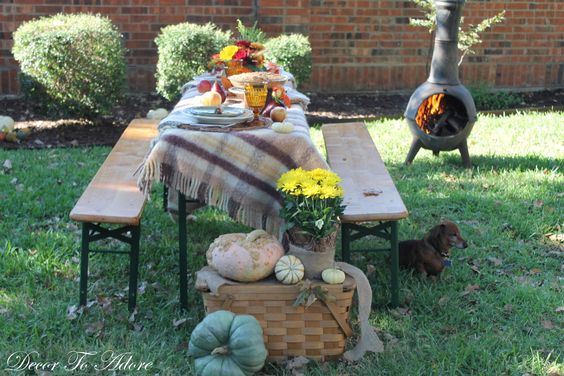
[[370, 193], [112, 198]]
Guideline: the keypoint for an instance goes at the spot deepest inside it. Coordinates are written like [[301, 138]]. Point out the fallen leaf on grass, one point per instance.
[[95, 329], [181, 346], [177, 323], [538, 203], [370, 269], [547, 324], [400, 312], [7, 165], [137, 327], [74, 311], [142, 287], [471, 223], [470, 289], [555, 237], [534, 271], [443, 300], [371, 192], [133, 315], [496, 261], [296, 366], [475, 269], [449, 329], [105, 303]]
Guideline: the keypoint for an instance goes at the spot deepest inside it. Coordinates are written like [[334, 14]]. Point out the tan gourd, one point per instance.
[[285, 127], [245, 257], [289, 270], [333, 276]]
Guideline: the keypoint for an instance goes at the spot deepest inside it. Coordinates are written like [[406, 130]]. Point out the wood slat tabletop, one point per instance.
[[370, 193], [112, 196]]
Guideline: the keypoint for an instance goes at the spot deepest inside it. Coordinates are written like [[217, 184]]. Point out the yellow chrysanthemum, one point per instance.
[[310, 188], [325, 177], [227, 52], [290, 180], [331, 192]]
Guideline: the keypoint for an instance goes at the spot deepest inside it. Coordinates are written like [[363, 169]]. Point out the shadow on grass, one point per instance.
[[487, 162]]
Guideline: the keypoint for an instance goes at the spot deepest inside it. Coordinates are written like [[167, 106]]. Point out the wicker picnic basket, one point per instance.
[[317, 332]]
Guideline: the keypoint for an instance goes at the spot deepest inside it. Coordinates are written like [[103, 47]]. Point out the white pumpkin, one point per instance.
[[333, 276], [285, 127], [158, 114], [289, 270], [6, 124], [245, 257]]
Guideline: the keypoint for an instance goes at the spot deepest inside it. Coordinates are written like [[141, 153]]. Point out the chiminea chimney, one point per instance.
[[441, 111]]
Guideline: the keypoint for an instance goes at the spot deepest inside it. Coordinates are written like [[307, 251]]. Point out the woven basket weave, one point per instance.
[[318, 332]]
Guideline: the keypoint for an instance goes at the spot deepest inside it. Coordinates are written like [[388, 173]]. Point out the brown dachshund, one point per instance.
[[428, 255]]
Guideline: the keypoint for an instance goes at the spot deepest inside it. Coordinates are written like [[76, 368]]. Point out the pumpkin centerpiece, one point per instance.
[[245, 257], [227, 344]]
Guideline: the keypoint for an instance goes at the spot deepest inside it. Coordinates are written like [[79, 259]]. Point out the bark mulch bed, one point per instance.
[[105, 130]]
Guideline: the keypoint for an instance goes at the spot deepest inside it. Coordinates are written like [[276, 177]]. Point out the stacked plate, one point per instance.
[[224, 116]]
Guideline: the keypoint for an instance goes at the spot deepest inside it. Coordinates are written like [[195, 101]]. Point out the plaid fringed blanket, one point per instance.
[[234, 171]]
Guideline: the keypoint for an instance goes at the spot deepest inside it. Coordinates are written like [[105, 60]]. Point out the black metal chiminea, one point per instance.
[[441, 112]]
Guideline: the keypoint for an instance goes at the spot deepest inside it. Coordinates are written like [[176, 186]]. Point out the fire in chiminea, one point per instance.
[[441, 115]]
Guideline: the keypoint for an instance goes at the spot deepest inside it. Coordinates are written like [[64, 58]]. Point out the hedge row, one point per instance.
[[74, 64]]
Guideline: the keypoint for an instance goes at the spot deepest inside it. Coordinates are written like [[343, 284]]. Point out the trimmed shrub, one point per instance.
[[488, 100], [184, 52], [71, 64], [293, 53]]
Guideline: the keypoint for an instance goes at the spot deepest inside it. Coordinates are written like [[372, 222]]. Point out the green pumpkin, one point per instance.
[[225, 344]]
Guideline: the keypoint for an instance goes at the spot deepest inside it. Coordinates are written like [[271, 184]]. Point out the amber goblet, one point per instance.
[[255, 96]]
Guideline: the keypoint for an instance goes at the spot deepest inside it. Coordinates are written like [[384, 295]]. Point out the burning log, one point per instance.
[[441, 115]]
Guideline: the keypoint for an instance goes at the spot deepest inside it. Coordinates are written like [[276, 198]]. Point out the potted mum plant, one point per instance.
[[312, 205]]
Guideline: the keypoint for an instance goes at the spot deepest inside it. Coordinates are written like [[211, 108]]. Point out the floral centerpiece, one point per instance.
[[311, 208], [243, 56]]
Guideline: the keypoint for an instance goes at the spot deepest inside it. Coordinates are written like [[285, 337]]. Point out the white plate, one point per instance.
[[215, 120], [211, 111]]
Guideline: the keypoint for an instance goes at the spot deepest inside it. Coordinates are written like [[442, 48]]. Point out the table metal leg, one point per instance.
[[395, 263], [182, 251]]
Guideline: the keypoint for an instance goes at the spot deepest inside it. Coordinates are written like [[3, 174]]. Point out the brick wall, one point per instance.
[[358, 45]]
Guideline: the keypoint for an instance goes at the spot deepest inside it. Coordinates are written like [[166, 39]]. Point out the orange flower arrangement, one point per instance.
[[249, 55]]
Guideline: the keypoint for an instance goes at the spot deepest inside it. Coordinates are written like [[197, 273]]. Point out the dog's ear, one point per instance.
[[437, 230]]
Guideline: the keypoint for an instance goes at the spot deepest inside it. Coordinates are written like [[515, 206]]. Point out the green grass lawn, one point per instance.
[[496, 311]]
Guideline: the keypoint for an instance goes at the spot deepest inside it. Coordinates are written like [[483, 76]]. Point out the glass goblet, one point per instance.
[[255, 96]]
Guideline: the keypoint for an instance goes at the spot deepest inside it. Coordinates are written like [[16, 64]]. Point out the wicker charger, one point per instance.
[[317, 332]]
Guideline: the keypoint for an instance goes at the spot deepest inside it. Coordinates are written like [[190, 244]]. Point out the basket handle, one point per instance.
[[340, 319]]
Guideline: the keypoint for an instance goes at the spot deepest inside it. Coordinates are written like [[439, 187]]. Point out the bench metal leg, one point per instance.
[[345, 242], [385, 230], [394, 250], [133, 267], [84, 263], [182, 251], [91, 233]]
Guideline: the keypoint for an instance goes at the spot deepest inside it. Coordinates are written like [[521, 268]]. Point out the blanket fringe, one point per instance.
[[190, 186]]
